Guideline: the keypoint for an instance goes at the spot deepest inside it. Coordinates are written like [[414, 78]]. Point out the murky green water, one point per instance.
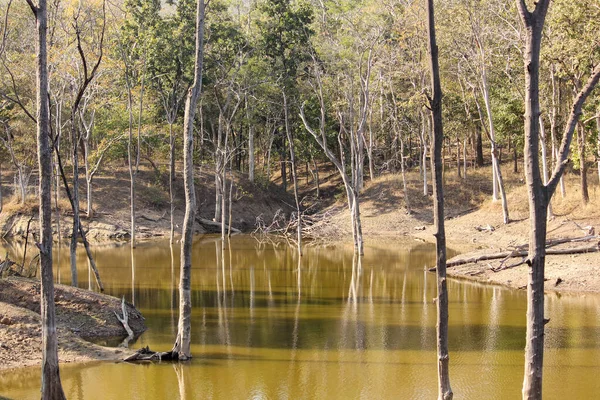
[[331, 327]]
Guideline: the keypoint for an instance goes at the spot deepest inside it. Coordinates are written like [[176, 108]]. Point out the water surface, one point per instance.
[[330, 326]]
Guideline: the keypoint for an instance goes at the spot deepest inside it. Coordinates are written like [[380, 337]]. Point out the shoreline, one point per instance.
[[80, 314]]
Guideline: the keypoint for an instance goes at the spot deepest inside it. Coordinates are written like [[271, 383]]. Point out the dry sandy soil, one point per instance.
[[79, 314], [111, 205]]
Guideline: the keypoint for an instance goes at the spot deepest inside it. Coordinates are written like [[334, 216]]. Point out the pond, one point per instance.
[[266, 325]]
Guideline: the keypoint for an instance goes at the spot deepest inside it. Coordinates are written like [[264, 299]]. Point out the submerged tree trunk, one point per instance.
[[435, 103], [51, 384], [182, 347]]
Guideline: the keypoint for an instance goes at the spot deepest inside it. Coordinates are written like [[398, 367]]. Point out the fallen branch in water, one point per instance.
[[145, 354], [125, 322]]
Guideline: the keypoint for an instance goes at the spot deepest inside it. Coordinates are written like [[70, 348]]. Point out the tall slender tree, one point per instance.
[[182, 347], [435, 103], [51, 384], [540, 194]]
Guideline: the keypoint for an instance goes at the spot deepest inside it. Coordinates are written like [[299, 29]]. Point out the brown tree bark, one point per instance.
[[182, 346], [435, 103], [540, 194], [51, 384], [581, 139]]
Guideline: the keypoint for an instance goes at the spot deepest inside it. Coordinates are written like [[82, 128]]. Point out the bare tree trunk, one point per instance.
[[268, 172], [563, 191], [219, 168], [230, 198], [534, 350], [294, 177], [424, 155], [478, 147], [171, 182], [317, 184], [75, 205], [458, 171], [251, 162], [182, 346], [321, 139], [598, 141], [465, 159], [51, 384], [497, 182], [403, 169], [545, 161], [223, 179], [444, 389], [585, 197]]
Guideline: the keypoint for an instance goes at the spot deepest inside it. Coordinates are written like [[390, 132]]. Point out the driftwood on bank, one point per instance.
[[521, 251], [213, 226], [125, 322]]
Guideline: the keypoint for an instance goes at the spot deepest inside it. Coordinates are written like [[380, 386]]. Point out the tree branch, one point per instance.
[[563, 154], [33, 7]]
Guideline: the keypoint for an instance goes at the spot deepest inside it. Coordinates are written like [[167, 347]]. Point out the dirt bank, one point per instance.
[[79, 314], [110, 219], [474, 227]]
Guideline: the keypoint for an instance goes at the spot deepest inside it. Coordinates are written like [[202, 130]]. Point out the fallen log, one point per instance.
[[147, 218], [145, 354], [214, 227], [520, 253]]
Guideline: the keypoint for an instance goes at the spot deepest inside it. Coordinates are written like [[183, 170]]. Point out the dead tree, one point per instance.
[[321, 138], [435, 103]]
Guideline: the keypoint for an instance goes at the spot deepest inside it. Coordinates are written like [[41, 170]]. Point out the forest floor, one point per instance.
[[81, 316], [111, 206]]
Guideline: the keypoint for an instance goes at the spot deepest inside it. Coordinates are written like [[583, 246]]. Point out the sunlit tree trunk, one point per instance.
[[539, 194], [182, 346], [598, 141], [294, 175], [75, 205], [581, 139], [555, 96], [534, 348], [51, 384], [545, 161], [435, 103], [424, 126], [171, 181]]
